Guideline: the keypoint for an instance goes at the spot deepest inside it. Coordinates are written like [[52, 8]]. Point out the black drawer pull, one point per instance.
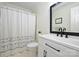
[[52, 47]]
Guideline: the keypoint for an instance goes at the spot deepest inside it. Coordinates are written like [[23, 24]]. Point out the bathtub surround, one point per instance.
[[17, 28]]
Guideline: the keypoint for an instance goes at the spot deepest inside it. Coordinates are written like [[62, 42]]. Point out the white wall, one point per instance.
[[43, 17]]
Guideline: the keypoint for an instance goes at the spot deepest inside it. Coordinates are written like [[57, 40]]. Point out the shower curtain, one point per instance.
[[17, 28]]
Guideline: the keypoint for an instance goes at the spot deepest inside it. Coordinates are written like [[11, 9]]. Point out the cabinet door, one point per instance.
[[50, 52], [61, 50], [40, 47], [43, 50]]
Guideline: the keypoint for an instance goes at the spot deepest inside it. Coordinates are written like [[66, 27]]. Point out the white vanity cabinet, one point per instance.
[[43, 50], [49, 48]]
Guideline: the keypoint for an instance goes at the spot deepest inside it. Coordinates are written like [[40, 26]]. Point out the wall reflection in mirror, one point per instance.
[[65, 15]]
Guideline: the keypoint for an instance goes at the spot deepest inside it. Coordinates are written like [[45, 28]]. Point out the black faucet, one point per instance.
[[64, 29], [61, 32], [60, 29]]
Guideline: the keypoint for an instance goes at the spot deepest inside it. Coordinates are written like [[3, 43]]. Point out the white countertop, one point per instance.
[[69, 42]]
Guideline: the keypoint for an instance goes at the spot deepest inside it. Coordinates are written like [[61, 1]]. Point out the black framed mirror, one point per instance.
[[65, 15]]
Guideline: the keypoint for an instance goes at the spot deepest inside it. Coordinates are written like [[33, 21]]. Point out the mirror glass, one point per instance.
[[66, 15]]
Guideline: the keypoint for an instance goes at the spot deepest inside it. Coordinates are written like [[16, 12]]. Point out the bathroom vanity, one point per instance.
[[63, 40], [52, 46]]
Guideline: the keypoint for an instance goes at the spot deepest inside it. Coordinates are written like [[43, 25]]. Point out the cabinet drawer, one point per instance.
[[60, 50]]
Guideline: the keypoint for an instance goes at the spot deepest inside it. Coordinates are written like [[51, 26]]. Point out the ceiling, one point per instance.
[[33, 6], [28, 5]]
